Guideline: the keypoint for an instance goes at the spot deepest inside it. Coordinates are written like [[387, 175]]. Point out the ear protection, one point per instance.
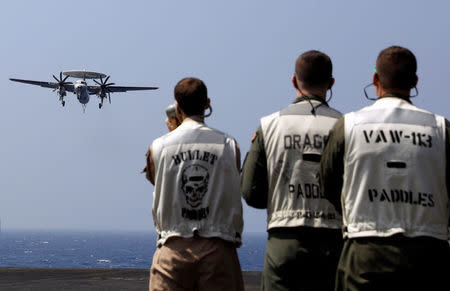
[[330, 84], [210, 111]]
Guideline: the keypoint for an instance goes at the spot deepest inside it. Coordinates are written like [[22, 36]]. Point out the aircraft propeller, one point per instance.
[[104, 89], [61, 82]]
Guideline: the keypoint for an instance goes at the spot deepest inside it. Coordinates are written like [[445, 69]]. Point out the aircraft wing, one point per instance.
[[111, 89], [53, 85]]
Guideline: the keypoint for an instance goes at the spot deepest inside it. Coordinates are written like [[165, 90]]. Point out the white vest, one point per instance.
[[294, 140], [196, 184], [394, 172]]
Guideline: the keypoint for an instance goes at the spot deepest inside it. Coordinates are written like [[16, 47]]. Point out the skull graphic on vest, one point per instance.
[[194, 183]]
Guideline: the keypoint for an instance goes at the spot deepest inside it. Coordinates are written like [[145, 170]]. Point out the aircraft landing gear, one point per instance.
[[63, 103], [100, 105]]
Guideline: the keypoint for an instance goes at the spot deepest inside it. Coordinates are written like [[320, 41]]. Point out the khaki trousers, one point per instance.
[[196, 264]]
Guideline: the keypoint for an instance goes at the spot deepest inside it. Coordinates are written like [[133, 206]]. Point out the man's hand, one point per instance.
[[172, 123], [145, 169], [149, 169]]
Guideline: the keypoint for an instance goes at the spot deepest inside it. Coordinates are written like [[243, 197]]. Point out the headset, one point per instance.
[[373, 99], [314, 108]]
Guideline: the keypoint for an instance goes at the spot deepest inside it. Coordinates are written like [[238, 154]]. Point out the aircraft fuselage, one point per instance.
[[81, 91]]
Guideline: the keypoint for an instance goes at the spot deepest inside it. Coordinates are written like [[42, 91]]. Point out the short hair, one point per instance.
[[191, 95], [396, 68], [314, 69]]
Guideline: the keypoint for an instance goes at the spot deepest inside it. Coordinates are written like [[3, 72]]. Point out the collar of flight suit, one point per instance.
[[310, 98], [393, 95]]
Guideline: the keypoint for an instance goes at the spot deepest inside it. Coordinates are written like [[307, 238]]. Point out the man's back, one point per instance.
[[397, 149], [196, 183], [294, 139]]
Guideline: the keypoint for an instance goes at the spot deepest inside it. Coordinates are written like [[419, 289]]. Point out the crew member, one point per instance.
[[172, 121], [386, 166], [197, 207], [280, 174]]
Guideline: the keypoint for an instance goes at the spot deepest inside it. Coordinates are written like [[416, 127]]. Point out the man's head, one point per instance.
[[192, 96], [396, 70], [313, 72]]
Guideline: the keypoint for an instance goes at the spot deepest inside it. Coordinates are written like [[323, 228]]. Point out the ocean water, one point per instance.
[[64, 249]]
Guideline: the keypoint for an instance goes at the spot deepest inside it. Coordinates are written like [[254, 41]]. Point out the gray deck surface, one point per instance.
[[89, 279]]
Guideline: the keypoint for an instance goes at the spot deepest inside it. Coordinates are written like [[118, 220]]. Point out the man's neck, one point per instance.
[[401, 92], [319, 93], [197, 118]]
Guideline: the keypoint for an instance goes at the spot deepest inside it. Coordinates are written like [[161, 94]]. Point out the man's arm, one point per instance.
[[447, 159], [332, 165], [254, 181], [238, 156], [150, 168]]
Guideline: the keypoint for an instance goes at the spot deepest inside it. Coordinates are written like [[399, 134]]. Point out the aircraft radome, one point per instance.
[[81, 88]]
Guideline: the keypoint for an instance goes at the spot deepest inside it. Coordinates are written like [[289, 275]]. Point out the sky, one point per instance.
[[62, 169]]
